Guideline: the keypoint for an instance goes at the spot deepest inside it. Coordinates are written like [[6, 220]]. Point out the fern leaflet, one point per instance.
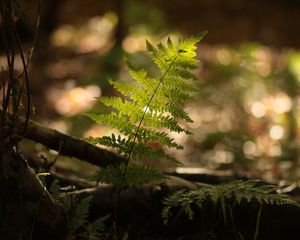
[[135, 174], [79, 216]]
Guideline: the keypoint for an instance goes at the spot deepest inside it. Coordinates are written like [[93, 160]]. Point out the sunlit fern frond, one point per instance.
[[150, 106]]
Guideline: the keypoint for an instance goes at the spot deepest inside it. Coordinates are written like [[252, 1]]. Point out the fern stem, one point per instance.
[[258, 222], [146, 109]]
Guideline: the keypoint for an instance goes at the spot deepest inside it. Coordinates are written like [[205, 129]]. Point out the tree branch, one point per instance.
[[66, 144]]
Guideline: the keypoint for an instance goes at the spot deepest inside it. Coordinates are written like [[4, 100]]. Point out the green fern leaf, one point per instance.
[[122, 176], [139, 174], [238, 191], [110, 175], [95, 229], [79, 215]]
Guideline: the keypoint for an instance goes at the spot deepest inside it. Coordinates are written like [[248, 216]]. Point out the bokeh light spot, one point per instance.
[[276, 132], [282, 103], [258, 109], [76, 100], [249, 148], [223, 56]]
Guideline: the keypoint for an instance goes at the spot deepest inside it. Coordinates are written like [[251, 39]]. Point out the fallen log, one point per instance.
[[65, 144]]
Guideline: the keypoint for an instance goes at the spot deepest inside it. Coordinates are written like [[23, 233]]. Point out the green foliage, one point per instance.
[[236, 191], [95, 229], [78, 221], [135, 174], [79, 215], [148, 107]]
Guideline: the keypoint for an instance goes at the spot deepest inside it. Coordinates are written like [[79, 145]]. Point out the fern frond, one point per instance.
[[110, 175], [121, 145], [158, 120], [183, 73], [157, 56], [115, 120], [140, 76], [179, 96], [147, 135], [183, 85], [139, 174], [79, 215], [122, 176], [143, 151], [171, 45], [237, 191], [187, 46], [147, 105], [140, 150], [127, 108], [95, 229], [127, 89], [187, 63], [177, 112]]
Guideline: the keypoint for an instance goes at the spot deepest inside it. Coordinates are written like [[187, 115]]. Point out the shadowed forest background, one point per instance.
[[246, 120]]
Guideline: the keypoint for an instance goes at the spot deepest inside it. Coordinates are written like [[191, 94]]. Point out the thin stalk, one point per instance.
[[28, 97], [257, 222], [37, 26]]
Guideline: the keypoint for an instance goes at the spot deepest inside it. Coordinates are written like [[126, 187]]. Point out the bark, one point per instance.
[[71, 146], [66, 144]]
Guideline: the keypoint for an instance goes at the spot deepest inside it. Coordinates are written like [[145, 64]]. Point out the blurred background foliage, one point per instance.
[[247, 115]]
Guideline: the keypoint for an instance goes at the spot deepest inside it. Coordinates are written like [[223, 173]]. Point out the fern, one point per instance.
[[147, 105], [237, 191], [136, 174], [95, 229], [78, 223], [79, 215]]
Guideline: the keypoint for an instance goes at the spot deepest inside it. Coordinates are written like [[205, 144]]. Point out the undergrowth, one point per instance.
[[224, 197], [236, 192]]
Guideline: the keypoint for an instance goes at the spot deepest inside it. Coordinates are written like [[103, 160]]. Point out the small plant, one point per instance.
[[77, 213], [78, 220], [218, 194], [148, 105], [224, 196]]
